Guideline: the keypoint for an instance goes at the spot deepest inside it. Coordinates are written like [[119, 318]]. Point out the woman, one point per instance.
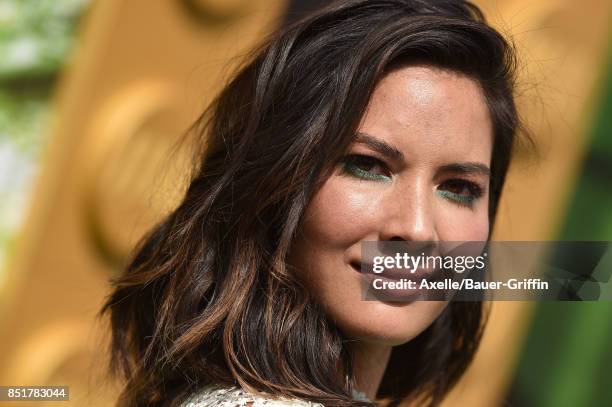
[[371, 120]]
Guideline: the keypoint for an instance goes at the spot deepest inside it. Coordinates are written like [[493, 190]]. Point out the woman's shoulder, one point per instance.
[[213, 396]]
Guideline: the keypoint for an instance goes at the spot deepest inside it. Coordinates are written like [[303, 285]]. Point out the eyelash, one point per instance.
[[351, 165], [474, 192]]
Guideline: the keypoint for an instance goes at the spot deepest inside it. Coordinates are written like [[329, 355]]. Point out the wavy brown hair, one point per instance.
[[207, 297]]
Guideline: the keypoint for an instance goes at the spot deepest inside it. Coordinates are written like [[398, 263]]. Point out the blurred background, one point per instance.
[[94, 94]]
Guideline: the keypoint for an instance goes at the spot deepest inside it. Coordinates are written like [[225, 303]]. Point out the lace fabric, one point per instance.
[[236, 397]]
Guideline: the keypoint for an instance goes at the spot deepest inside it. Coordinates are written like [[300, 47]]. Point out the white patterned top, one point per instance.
[[235, 397]]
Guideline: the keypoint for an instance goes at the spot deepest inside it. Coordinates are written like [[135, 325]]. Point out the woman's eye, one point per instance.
[[366, 167], [460, 191]]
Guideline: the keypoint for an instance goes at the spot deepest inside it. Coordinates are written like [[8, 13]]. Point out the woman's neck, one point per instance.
[[370, 363]]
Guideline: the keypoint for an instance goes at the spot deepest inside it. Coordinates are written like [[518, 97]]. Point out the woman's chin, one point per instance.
[[391, 324]]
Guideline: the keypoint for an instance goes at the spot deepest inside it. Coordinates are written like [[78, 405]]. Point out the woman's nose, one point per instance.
[[410, 214]]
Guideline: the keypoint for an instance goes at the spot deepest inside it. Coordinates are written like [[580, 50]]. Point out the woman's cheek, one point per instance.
[[343, 212], [456, 223]]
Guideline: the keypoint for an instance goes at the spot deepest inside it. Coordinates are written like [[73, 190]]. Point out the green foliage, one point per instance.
[[35, 36]]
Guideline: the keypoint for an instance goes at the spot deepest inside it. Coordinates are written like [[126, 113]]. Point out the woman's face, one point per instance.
[[417, 171]]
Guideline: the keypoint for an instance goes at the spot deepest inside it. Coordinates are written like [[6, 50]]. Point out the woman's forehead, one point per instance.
[[423, 110]]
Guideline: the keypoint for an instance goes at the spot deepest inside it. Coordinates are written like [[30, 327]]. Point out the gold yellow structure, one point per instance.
[[142, 71]]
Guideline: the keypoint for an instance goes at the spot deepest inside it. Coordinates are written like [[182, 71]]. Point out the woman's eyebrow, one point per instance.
[[380, 146], [389, 151], [467, 168]]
